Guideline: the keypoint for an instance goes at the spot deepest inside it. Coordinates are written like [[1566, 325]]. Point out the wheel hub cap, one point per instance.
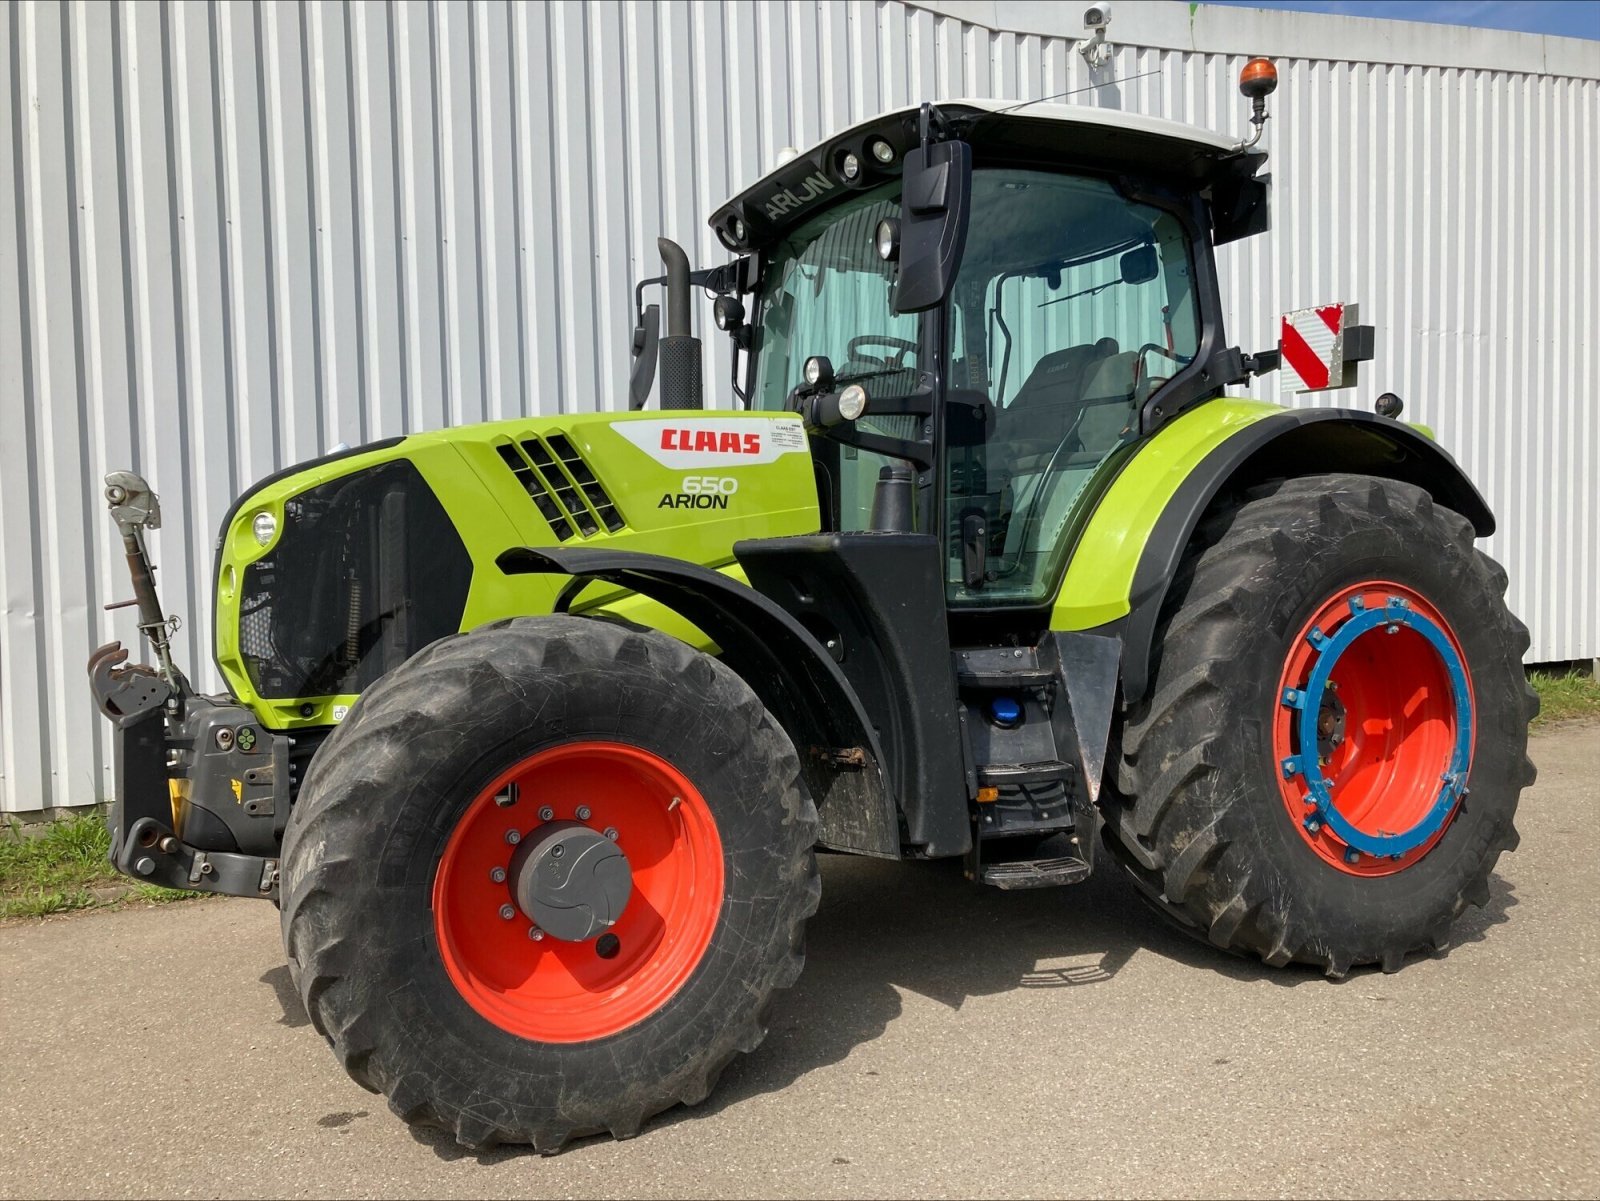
[[1375, 737], [572, 881], [578, 891]]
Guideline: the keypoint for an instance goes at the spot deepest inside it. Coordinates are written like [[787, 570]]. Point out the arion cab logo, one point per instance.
[[787, 200]]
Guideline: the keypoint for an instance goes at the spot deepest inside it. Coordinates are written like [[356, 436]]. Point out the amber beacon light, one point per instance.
[[1258, 79]]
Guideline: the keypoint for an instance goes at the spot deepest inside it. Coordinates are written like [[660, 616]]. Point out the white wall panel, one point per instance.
[[234, 235]]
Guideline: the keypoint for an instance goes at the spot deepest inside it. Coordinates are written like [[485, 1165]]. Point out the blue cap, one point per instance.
[[1005, 711]]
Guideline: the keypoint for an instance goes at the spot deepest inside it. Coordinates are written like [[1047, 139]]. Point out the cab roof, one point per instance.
[[1104, 140]]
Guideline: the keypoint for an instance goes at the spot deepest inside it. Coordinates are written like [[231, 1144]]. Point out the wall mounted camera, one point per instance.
[[1097, 19]]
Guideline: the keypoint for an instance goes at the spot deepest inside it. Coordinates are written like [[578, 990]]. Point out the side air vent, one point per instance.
[[536, 488], [566, 492], [593, 492], [561, 486]]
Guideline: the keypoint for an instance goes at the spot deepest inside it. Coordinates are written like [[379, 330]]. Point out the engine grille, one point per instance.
[[567, 494], [366, 571]]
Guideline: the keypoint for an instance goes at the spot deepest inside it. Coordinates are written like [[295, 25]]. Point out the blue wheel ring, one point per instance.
[[1307, 701]]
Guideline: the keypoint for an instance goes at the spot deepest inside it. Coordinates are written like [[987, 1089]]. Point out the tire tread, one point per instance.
[[1164, 814], [432, 688]]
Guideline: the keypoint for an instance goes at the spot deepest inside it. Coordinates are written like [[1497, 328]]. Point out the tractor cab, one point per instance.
[[980, 309]]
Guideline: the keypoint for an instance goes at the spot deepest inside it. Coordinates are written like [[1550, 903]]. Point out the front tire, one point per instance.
[[407, 880], [1341, 836]]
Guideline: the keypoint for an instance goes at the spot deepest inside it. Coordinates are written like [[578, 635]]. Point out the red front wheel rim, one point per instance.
[[552, 990], [1373, 729]]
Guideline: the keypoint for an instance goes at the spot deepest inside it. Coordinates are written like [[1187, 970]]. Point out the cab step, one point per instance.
[[1023, 773], [1005, 676], [1036, 873]]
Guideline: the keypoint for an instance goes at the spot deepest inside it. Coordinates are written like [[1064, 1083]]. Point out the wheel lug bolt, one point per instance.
[[535, 933], [508, 911], [546, 813], [513, 836], [583, 813], [611, 833], [498, 875]]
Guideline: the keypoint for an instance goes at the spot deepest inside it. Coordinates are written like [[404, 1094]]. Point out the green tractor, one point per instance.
[[533, 728]]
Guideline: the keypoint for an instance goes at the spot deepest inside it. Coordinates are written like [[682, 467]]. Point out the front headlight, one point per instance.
[[887, 239], [852, 402], [265, 527]]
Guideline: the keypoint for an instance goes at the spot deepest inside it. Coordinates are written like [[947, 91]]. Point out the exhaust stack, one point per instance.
[[681, 386]]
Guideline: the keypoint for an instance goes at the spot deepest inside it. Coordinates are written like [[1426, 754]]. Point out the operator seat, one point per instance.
[[1049, 400], [1110, 402]]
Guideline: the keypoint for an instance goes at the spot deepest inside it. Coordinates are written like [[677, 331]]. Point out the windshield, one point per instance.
[[1072, 305], [824, 291]]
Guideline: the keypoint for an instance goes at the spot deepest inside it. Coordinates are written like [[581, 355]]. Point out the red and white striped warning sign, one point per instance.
[[1312, 343]]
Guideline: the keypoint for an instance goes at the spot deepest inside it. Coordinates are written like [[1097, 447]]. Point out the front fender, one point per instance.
[[788, 669]]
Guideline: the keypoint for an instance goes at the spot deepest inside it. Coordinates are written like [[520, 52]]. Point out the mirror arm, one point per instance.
[[918, 454], [917, 403]]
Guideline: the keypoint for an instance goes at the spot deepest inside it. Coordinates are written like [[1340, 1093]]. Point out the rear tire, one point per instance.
[[1205, 815], [381, 938]]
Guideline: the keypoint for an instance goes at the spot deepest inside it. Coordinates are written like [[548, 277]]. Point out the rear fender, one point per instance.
[[788, 669], [1277, 444]]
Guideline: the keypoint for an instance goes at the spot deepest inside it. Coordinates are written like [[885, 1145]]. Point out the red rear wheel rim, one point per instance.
[[561, 992], [1394, 730]]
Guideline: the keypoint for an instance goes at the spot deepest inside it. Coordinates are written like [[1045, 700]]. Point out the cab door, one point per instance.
[[1072, 305]]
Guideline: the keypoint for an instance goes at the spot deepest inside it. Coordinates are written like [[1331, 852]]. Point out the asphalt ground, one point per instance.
[[944, 1041]]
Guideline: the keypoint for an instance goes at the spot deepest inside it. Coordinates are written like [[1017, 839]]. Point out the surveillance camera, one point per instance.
[[1097, 16]]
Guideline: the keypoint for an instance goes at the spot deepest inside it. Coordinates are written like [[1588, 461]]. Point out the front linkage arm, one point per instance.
[[172, 746]]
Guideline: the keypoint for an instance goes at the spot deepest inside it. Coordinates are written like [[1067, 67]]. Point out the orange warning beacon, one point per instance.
[[1258, 79]]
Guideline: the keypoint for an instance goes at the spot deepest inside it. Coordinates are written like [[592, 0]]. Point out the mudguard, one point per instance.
[[788, 669], [1245, 444]]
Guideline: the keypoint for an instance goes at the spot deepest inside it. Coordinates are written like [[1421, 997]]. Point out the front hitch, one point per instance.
[[135, 509], [201, 792]]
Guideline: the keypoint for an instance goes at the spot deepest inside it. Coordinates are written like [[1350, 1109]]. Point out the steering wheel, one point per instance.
[[1142, 379], [904, 345]]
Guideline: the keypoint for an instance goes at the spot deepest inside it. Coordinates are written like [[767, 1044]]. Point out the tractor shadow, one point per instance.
[[885, 927], [923, 928], [282, 985]]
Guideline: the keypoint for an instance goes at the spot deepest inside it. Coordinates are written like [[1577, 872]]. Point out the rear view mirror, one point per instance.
[[1140, 266], [935, 203], [646, 337]]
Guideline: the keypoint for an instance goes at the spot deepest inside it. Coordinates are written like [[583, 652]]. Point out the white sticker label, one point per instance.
[[339, 712], [789, 435], [689, 442]]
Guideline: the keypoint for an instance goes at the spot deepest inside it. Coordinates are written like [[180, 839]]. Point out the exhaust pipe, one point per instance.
[[681, 386]]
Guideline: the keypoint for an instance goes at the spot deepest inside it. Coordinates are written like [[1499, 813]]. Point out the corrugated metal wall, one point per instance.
[[234, 235]]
